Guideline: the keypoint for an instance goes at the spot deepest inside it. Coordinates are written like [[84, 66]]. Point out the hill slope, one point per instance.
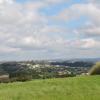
[[79, 88]]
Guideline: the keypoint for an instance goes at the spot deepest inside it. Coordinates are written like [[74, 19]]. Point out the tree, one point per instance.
[[95, 69]]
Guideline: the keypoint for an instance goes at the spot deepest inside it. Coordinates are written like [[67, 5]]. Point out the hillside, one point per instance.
[[78, 88]]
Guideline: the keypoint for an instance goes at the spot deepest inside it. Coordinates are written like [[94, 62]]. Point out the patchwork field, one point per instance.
[[77, 88]]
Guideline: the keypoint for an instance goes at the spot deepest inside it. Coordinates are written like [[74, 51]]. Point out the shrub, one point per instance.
[[95, 69]]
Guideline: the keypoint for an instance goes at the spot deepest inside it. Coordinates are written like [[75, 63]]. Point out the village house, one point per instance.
[[4, 78]]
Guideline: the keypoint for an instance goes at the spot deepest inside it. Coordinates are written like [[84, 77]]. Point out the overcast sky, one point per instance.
[[49, 29]]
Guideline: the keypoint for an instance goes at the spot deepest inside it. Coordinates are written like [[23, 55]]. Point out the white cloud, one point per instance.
[[54, 1], [90, 43], [6, 1], [86, 43], [90, 11], [6, 49], [24, 29], [90, 31], [75, 11]]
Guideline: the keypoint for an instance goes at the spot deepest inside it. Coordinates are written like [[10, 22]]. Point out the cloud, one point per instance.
[[6, 1], [90, 11], [51, 1], [90, 31], [78, 10], [89, 43], [22, 26], [25, 30], [7, 49]]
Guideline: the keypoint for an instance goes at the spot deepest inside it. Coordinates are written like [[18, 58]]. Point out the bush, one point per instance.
[[95, 69]]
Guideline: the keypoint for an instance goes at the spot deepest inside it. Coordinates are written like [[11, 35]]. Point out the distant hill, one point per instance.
[[78, 62], [87, 59]]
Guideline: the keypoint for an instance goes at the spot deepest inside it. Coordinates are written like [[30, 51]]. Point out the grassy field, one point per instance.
[[78, 88]]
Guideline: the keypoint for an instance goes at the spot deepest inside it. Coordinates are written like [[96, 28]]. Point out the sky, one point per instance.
[[49, 29]]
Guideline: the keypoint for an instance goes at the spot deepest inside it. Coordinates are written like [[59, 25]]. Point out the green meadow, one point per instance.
[[76, 88]]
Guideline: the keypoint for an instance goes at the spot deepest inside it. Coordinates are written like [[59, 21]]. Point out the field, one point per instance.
[[78, 88]]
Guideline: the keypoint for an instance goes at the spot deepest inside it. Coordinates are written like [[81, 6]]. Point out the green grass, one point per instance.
[[78, 88]]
